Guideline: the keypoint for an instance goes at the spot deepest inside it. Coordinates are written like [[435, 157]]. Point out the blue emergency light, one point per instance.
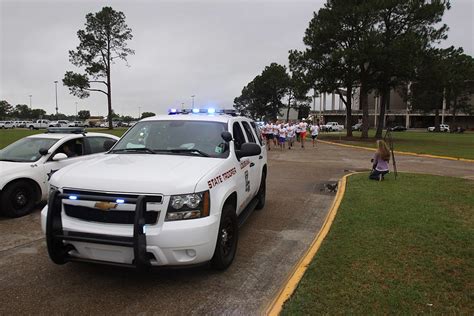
[[208, 111]]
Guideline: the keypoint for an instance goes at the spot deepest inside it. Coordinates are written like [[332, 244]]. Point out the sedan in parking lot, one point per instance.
[[27, 164], [398, 128]]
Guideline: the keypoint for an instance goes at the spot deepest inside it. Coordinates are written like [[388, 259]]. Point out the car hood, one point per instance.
[[137, 173]]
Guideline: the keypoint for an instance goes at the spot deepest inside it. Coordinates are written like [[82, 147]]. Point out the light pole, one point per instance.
[[193, 99], [30, 100], [56, 85], [76, 111], [139, 110]]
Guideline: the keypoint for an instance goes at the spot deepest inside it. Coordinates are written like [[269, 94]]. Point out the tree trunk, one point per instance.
[[384, 98], [349, 110], [109, 88], [364, 104], [455, 105], [437, 120], [288, 110]]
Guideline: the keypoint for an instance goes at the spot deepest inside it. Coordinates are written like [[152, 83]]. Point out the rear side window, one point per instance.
[[97, 144], [257, 132], [248, 131], [239, 138]]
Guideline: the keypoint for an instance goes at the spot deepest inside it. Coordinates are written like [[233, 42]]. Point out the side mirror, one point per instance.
[[227, 136], [108, 144], [248, 149], [43, 151], [59, 156]]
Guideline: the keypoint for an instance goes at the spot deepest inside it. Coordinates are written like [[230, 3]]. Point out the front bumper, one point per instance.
[[166, 243]]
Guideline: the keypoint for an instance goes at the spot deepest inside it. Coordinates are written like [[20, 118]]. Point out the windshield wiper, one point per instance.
[[138, 149], [185, 150]]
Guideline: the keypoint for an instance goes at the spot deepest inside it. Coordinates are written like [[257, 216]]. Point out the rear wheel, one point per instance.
[[227, 238], [18, 199]]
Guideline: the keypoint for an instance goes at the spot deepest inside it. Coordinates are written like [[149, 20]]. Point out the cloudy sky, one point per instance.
[[210, 49]]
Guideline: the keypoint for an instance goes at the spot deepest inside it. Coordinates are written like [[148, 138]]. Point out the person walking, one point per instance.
[[314, 133]]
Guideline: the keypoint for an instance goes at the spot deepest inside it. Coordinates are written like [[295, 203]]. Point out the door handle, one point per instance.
[[260, 157], [252, 164]]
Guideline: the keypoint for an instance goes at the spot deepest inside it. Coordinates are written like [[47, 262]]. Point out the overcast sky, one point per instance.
[[210, 49]]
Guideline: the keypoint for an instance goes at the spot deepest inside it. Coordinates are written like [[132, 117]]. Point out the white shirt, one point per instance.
[[314, 130]]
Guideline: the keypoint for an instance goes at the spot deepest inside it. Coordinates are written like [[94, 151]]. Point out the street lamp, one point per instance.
[[193, 99], [30, 100], [139, 110], [76, 111], [56, 85]]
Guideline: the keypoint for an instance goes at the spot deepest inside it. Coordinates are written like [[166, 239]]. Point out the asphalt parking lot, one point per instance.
[[270, 244]]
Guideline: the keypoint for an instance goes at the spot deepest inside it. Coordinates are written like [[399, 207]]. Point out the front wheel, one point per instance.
[[262, 191], [18, 199], [227, 238]]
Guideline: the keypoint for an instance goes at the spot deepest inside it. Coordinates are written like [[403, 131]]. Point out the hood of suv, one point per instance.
[[137, 173]]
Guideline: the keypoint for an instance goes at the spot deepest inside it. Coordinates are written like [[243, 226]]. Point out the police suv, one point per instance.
[[171, 192]]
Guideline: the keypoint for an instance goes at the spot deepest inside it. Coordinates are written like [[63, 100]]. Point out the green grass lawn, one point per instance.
[[441, 144], [8, 136], [402, 246]]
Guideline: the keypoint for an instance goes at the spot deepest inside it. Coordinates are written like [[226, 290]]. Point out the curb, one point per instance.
[[287, 289], [399, 152]]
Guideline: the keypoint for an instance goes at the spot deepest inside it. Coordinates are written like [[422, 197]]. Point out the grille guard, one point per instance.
[[55, 234]]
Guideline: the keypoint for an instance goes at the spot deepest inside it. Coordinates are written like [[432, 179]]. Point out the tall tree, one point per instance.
[[103, 40], [147, 114], [333, 52], [405, 30], [21, 111], [84, 114], [5, 109], [262, 97], [37, 113]]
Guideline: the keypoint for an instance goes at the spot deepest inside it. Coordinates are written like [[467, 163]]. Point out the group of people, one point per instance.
[[286, 134]]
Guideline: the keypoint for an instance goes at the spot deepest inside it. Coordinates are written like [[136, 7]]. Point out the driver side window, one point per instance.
[[71, 148], [239, 138]]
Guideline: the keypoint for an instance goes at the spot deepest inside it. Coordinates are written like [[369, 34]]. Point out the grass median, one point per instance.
[[8, 136], [400, 246], [441, 144]]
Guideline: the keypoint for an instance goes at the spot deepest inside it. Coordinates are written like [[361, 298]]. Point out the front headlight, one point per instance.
[[188, 206]]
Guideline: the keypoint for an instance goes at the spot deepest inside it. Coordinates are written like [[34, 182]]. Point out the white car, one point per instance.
[[7, 124], [442, 128], [59, 123], [171, 192], [27, 164], [76, 124], [38, 124], [333, 126]]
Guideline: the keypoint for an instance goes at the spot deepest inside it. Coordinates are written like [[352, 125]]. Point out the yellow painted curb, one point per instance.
[[399, 152], [290, 285]]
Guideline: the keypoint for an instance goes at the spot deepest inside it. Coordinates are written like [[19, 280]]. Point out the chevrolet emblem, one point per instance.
[[105, 206]]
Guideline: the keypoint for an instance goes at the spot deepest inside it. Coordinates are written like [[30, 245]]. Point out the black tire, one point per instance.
[[31, 127], [227, 239], [262, 192], [18, 199]]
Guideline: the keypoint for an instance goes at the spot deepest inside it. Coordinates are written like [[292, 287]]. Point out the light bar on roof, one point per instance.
[[209, 111]]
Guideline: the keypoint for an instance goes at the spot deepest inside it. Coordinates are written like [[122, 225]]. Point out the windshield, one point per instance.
[[175, 137], [26, 149]]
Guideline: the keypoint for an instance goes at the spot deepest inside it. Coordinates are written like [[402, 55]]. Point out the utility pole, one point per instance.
[[56, 85], [76, 111], [30, 100], [193, 99], [139, 112]]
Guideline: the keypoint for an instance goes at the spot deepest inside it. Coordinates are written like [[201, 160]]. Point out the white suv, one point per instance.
[[172, 191]]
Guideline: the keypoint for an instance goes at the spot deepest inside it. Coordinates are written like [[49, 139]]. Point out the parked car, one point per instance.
[[442, 128], [38, 124], [398, 128], [27, 164], [76, 124], [9, 124], [357, 127], [59, 123], [333, 126]]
